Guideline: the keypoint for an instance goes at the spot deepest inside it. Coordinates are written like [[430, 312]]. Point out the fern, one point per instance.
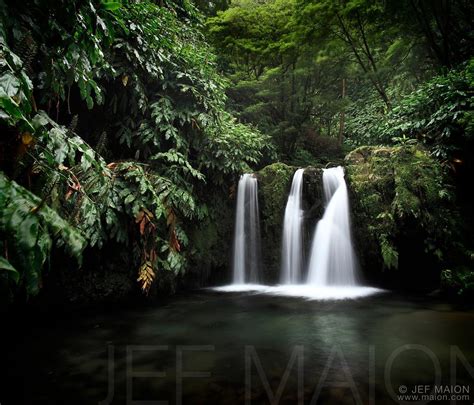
[[389, 254]]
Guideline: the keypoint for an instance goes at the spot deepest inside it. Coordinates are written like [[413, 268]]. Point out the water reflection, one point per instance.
[[68, 359]]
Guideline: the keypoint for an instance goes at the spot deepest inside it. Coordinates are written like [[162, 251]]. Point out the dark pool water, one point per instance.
[[215, 348]]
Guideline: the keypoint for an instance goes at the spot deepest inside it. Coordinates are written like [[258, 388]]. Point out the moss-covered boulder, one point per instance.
[[274, 182], [402, 213]]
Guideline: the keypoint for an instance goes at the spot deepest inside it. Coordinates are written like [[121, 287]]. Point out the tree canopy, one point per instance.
[[307, 69]]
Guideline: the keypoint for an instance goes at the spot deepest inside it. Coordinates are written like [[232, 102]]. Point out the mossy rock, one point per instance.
[[403, 218], [274, 182]]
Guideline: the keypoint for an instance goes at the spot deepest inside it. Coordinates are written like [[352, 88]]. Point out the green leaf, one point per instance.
[[129, 199], [11, 108], [6, 265], [9, 84], [31, 226], [28, 231], [40, 120], [111, 5], [4, 115]]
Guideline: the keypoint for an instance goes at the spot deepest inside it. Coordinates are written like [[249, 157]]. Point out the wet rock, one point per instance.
[[274, 182]]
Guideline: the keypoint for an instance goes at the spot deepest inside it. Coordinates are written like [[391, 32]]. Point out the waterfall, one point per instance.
[[332, 259], [246, 261], [332, 268], [292, 244]]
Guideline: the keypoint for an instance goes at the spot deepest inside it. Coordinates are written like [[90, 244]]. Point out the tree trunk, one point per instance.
[[375, 82], [342, 116]]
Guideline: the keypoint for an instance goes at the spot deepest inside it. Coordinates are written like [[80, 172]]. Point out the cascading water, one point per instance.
[[246, 261], [332, 269], [332, 259], [292, 244]]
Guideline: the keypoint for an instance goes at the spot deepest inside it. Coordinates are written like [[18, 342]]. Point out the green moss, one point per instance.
[[274, 184], [400, 190]]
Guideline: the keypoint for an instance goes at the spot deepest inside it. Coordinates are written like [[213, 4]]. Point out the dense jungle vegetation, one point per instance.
[[125, 124]]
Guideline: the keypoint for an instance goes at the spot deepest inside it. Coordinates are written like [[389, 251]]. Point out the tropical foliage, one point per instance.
[[438, 114], [367, 72], [398, 186], [113, 116]]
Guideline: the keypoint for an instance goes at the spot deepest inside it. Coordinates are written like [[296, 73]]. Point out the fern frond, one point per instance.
[[146, 276], [26, 49]]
